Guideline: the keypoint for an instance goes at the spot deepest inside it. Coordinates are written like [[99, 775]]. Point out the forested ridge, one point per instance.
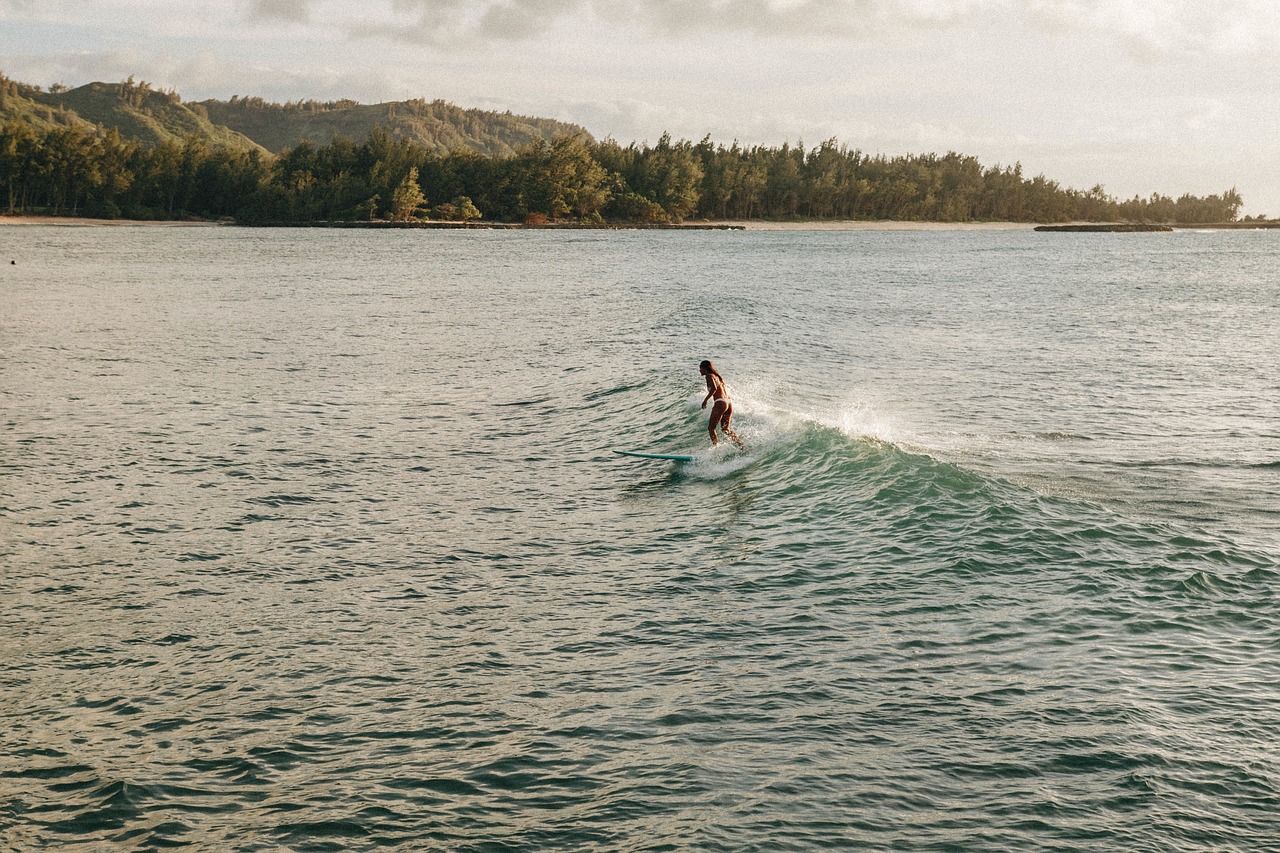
[[435, 125], [63, 164]]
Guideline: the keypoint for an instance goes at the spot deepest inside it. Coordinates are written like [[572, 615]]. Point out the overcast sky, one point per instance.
[[1142, 96]]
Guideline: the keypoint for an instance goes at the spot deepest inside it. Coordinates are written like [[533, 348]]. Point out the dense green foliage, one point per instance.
[[61, 164], [77, 172], [435, 125]]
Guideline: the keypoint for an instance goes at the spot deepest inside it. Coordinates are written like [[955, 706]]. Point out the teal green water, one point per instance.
[[315, 541]]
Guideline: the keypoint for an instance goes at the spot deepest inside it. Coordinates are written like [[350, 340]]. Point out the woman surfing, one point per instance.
[[721, 406]]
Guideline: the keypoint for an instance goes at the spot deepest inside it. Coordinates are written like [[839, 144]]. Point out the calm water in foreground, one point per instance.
[[314, 541]]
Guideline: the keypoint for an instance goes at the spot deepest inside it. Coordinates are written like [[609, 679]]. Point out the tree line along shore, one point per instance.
[[86, 170]]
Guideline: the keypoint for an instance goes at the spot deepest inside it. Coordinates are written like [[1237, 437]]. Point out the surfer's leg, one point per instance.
[[718, 411], [727, 430]]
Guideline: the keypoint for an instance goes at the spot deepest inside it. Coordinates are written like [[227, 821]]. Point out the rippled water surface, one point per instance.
[[315, 541]]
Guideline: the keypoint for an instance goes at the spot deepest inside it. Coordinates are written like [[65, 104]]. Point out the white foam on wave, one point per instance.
[[761, 426], [721, 461], [857, 418], [764, 426], [759, 423]]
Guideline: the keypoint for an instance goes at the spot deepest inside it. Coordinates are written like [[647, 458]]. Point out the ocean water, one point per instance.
[[315, 541]]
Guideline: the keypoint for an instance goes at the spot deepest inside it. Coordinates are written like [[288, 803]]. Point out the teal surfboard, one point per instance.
[[673, 457]]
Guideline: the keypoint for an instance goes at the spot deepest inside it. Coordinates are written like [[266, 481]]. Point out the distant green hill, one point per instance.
[[435, 125], [136, 110], [19, 101], [151, 117]]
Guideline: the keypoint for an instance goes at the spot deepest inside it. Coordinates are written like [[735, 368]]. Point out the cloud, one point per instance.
[[1152, 31], [1148, 30], [446, 21], [83, 11], [208, 74], [281, 10], [1161, 30]]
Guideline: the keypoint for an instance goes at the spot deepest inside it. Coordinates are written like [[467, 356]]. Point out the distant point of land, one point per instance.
[[1107, 227]]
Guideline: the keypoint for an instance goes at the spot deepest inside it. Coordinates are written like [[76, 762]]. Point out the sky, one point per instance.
[[1140, 96]]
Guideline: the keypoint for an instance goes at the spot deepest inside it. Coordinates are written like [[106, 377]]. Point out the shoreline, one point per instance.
[[88, 222], [870, 225], [691, 225]]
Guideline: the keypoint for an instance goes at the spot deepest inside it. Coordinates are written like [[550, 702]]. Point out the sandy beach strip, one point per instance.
[[863, 225], [84, 221]]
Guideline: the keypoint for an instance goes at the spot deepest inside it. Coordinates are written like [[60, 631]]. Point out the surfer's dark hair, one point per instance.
[[710, 368]]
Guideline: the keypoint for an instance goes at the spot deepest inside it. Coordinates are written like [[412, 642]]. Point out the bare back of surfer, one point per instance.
[[721, 405]]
